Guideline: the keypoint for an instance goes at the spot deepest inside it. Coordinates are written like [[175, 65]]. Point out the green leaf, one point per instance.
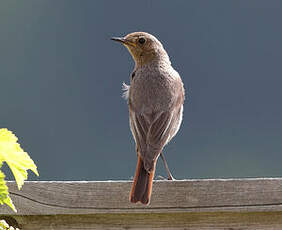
[[3, 225], [18, 160], [4, 194]]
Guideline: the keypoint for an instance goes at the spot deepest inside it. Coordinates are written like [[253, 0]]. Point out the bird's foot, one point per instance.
[[171, 178], [159, 177]]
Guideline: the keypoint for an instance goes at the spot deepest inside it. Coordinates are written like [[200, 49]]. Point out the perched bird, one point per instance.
[[155, 99]]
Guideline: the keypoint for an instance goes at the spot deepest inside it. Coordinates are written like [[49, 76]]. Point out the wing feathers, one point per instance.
[[152, 132]]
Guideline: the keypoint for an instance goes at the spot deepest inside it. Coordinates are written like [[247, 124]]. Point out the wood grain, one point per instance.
[[182, 204]]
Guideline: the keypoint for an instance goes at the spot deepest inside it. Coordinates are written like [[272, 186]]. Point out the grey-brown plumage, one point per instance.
[[155, 99]]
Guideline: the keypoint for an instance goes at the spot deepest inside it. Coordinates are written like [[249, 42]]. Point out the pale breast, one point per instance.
[[154, 89]]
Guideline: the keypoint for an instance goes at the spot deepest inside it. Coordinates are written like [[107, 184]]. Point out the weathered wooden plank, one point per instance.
[[183, 204], [166, 221], [49, 198]]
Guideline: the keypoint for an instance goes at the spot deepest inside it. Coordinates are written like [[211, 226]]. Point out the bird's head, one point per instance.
[[143, 47]]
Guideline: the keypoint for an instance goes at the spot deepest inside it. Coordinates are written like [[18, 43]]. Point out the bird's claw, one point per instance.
[[159, 177]]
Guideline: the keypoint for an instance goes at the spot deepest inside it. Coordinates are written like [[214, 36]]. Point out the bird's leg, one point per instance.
[[170, 177]]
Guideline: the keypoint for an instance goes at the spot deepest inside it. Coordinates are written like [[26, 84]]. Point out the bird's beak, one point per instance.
[[123, 40], [118, 39]]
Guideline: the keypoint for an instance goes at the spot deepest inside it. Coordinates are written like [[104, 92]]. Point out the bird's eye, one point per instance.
[[141, 41]]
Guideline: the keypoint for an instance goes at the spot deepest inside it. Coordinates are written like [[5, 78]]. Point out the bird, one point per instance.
[[155, 99]]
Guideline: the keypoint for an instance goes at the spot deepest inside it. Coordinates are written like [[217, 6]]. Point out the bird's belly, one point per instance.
[[148, 97]]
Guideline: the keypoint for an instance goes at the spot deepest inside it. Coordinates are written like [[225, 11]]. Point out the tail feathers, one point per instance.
[[142, 184]]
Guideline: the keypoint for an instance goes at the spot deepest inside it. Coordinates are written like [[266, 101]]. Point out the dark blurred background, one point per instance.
[[61, 76]]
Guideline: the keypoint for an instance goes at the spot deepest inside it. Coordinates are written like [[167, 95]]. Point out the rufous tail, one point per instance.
[[142, 184]]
